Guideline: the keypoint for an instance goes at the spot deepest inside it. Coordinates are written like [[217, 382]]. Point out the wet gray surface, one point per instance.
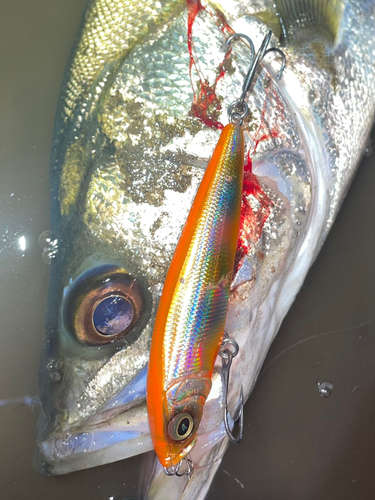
[[297, 445]]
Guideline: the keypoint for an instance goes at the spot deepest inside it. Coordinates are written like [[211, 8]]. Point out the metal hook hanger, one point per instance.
[[175, 469], [239, 109], [229, 350]]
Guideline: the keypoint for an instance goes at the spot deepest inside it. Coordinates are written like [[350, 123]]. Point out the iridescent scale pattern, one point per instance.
[[196, 319], [190, 321]]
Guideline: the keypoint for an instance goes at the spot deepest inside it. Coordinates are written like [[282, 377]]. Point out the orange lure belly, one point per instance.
[[191, 316]]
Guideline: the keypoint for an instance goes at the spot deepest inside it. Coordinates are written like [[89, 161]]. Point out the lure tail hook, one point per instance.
[[228, 350], [175, 470], [238, 110]]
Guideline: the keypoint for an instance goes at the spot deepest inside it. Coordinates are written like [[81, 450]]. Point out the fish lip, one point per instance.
[[60, 447], [45, 463], [121, 419]]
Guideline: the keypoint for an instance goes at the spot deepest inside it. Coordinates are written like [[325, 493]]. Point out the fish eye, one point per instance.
[[180, 426], [103, 305]]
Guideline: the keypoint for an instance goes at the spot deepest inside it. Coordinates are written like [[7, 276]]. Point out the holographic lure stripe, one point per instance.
[[191, 316]]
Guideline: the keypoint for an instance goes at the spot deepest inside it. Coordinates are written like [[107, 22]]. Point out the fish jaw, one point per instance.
[[121, 431], [77, 380]]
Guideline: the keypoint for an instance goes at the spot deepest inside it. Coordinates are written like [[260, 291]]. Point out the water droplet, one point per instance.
[[368, 149], [63, 446], [59, 364], [51, 365], [49, 244], [325, 389], [55, 376], [44, 238], [79, 370]]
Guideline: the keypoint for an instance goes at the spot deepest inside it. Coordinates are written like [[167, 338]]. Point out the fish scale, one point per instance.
[[113, 28]]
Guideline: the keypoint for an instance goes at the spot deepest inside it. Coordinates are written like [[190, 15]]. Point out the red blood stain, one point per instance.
[[206, 105], [252, 221]]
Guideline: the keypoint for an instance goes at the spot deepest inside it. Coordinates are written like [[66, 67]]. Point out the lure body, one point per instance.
[[190, 320]]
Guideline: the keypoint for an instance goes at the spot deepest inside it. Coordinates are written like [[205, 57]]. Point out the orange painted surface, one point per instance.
[[223, 177]]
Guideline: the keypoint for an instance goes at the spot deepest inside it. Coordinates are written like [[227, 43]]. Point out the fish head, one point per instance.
[[128, 156], [115, 243], [137, 121]]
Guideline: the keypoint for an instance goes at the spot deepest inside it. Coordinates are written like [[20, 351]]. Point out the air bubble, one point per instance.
[[54, 368], [55, 376], [51, 365], [49, 244], [79, 370], [325, 389], [63, 446], [83, 442], [368, 149], [59, 364]]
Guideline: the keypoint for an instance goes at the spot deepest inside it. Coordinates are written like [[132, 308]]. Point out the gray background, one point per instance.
[[297, 445]]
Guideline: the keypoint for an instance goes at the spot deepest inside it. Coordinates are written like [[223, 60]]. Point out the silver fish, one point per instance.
[[147, 88]]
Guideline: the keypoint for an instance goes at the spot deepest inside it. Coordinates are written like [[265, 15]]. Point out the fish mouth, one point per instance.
[[77, 449], [118, 431]]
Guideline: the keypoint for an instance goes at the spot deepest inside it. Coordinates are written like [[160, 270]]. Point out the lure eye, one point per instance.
[[103, 305], [180, 426]]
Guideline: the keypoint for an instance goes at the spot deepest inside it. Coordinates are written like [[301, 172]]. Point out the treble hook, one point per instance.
[[239, 109], [175, 469], [227, 356]]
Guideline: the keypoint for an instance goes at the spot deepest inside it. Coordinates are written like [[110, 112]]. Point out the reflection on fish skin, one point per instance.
[[134, 130]]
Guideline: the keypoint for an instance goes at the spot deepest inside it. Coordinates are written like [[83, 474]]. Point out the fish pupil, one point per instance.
[[112, 315]]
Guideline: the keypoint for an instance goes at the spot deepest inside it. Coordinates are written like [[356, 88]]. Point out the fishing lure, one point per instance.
[[189, 325]]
